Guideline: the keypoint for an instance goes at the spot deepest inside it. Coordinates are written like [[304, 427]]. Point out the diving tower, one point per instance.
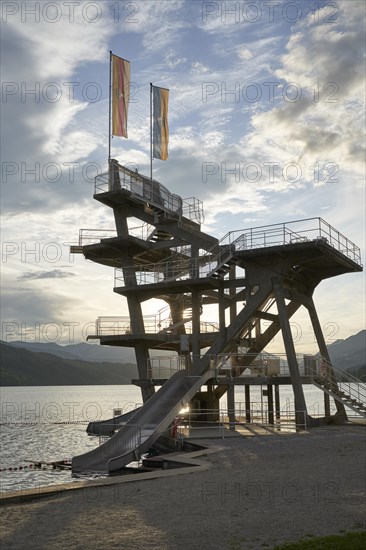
[[256, 278]]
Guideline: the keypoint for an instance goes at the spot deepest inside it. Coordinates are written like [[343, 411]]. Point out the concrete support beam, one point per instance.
[[299, 398], [135, 310], [324, 353]]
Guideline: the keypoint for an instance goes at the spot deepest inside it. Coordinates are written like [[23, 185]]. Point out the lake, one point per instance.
[[48, 424]]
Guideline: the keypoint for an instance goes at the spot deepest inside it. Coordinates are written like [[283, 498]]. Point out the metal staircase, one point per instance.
[[224, 256], [158, 235], [352, 392]]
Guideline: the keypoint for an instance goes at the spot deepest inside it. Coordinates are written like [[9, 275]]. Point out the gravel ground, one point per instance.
[[259, 492]]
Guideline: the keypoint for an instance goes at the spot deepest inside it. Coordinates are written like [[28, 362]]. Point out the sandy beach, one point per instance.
[[258, 492]]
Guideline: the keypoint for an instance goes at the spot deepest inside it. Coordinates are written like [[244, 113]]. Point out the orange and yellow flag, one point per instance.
[[120, 95], [160, 123]]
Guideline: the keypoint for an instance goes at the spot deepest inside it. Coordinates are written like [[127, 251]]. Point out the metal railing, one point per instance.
[[142, 232], [149, 191], [229, 365], [131, 439], [193, 210], [183, 268], [310, 229], [112, 326], [263, 364], [213, 419], [348, 386], [289, 233], [153, 324], [90, 236], [163, 367]]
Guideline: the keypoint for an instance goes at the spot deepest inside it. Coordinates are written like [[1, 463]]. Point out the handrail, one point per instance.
[[355, 388], [148, 190], [95, 235], [242, 417], [153, 324], [312, 229], [225, 364], [288, 233]]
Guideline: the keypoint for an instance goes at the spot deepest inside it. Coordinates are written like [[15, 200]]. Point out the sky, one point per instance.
[[266, 121]]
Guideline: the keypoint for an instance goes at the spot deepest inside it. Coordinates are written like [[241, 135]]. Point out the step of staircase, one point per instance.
[[342, 397], [222, 269]]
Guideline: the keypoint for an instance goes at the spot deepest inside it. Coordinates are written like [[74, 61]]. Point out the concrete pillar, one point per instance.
[[324, 353], [299, 398], [196, 327], [221, 304], [196, 311], [134, 307], [232, 291]]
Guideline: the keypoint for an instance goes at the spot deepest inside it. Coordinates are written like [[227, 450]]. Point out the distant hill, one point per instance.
[[21, 367], [49, 364], [349, 353], [83, 351]]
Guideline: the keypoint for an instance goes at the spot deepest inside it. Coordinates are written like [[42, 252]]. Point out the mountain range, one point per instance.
[[50, 364], [81, 351], [21, 367], [349, 354]]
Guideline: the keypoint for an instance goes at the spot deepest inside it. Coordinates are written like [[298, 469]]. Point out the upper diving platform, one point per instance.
[[120, 184]]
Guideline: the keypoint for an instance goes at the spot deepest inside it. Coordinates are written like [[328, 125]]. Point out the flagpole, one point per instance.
[[110, 107], [151, 133]]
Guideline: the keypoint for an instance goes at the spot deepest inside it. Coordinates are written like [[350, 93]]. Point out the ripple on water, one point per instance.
[[22, 445]]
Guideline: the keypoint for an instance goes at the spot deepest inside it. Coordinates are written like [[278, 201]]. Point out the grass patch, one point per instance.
[[349, 541]]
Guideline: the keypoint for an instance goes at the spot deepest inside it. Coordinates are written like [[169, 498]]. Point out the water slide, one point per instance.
[[109, 426], [144, 427]]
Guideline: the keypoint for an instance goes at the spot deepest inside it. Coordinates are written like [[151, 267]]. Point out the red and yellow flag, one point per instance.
[[160, 122], [120, 95]]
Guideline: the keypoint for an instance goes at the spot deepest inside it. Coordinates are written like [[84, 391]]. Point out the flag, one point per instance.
[[160, 122], [120, 95]]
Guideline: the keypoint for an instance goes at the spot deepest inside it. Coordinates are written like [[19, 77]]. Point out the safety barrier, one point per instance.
[[148, 191], [300, 231]]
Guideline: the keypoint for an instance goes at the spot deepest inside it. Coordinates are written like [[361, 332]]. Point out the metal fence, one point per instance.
[[300, 231]]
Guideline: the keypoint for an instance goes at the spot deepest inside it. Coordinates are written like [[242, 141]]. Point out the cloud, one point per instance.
[[325, 67], [159, 23], [28, 305], [244, 53], [36, 275], [45, 102], [172, 60], [56, 48], [199, 68]]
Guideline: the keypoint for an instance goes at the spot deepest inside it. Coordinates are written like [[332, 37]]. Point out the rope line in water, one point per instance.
[[37, 466], [43, 423]]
